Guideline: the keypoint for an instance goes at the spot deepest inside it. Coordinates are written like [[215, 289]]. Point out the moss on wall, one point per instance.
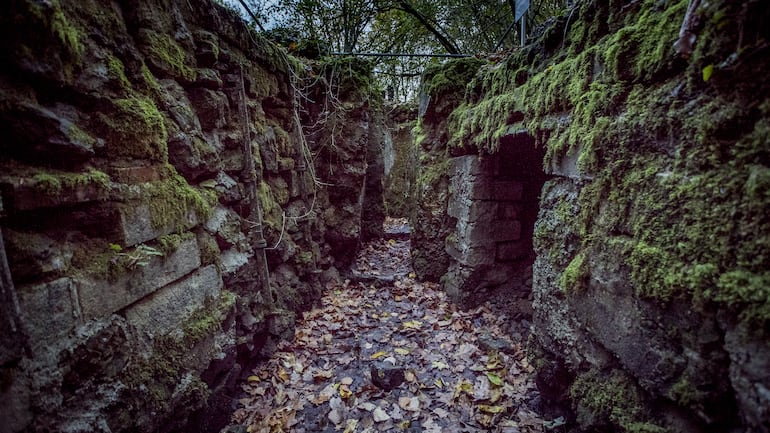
[[166, 54], [172, 201], [159, 377], [135, 129], [606, 399], [53, 182], [669, 165]]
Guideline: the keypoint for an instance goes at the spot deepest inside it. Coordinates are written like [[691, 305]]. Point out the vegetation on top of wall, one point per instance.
[[450, 77], [347, 76]]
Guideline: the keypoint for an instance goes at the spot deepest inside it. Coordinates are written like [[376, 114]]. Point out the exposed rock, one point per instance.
[[386, 375]]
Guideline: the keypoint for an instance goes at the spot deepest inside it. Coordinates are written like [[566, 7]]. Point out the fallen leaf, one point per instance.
[[283, 375], [494, 379], [380, 415], [378, 354], [345, 392], [350, 426], [253, 379], [367, 406], [438, 365], [412, 324], [402, 351], [491, 409], [404, 402]]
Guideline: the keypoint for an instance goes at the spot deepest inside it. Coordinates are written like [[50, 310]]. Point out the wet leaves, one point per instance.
[[321, 381]]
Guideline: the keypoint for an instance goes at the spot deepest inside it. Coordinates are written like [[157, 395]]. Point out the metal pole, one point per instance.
[[524, 29]]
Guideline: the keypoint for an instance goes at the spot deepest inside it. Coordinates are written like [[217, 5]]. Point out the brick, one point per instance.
[[102, 298], [166, 309]]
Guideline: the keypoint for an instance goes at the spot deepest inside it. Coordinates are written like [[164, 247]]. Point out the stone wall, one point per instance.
[[440, 93], [651, 242], [400, 160], [162, 219]]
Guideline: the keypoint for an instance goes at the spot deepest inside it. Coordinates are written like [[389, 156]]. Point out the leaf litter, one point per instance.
[[321, 382]]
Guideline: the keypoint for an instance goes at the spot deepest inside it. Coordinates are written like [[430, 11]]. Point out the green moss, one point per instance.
[[54, 183], [271, 210], [77, 135], [305, 257], [205, 321], [137, 129], [54, 18], [48, 184], [156, 377], [150, 84], [168, 55], [685, 393], [210, 253], [117, 72], [172, 201], [611, 399], [451, 76], [170, 243], [573, 278]]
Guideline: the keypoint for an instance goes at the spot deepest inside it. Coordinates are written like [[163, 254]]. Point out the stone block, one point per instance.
[[101, 298], [472, 211], [510, 251], [135, 224], [211, 106], [471, 165], [469, 255], [49, 311], [167, 308], [135, 174], [24, 194], [233, 260]]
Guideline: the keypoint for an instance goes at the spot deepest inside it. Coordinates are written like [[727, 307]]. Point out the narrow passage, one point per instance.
[[437, 368]]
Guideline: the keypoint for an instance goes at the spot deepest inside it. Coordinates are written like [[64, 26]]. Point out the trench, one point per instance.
[[460, 342], [382, 351]]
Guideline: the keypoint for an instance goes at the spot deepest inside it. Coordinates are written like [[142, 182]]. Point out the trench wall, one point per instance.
[[650, 279], [168, 206]]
